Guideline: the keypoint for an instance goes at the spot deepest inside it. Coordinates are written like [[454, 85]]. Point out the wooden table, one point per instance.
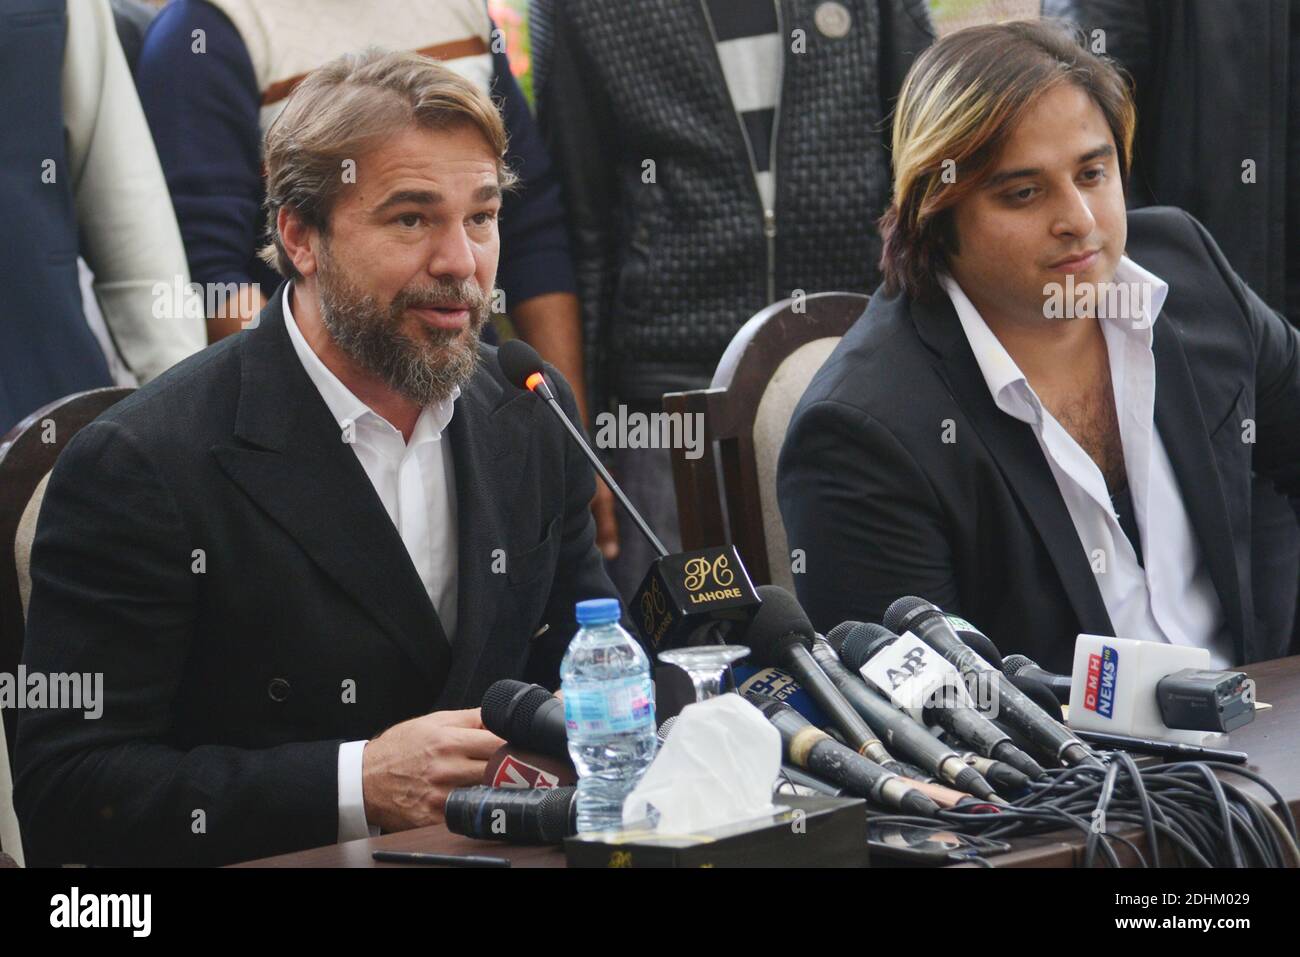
[[1272, 740]]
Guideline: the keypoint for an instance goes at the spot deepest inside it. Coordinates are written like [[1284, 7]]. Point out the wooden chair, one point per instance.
[[27, 455], [728, 494]]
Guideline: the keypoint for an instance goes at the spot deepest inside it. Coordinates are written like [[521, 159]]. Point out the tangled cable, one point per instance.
[[1208, 822]]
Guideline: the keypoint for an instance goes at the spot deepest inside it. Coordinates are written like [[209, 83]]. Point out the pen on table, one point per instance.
[[447, 860]]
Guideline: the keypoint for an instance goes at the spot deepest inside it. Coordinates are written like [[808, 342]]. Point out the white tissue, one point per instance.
[[717, 767]]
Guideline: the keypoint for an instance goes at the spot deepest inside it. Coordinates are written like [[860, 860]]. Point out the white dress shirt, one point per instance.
[[417, 486], [1169, 596]]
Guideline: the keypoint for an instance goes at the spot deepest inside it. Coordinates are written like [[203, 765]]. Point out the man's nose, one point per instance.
[[453, 255], [1073, 214]]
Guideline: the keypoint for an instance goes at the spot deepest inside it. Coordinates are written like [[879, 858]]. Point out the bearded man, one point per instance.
[[301, 557]]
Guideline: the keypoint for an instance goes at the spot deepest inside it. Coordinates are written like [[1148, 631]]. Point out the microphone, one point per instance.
[[1059, 685], [1001, 775], [862, 642], [928, 623], [815, 751], [781, 636], [905, 736], [1039, 694], [977, 641], [545, 816], [522, 367], [685, 598], [526, 715]]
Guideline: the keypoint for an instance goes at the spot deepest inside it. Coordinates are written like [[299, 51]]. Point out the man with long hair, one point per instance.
[[1047, 419]]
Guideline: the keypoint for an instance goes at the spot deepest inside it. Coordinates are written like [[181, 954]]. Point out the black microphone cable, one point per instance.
[[1204, 817]]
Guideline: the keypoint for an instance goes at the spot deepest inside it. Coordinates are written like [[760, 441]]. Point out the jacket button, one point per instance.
[[278, 689]]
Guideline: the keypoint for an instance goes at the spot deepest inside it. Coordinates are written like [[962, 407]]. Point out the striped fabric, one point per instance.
[[287, 39], [749, 49]]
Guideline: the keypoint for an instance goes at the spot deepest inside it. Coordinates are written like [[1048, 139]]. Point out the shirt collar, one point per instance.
[[344, 406], [1000, 371]]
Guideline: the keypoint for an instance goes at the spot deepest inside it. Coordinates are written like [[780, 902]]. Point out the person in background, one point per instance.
[[132, 19], [1217, 87], [716, 157], [213, 76], [80, 177]]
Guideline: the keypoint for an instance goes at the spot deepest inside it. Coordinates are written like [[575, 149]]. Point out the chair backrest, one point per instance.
[[727, 495], [27, 455]]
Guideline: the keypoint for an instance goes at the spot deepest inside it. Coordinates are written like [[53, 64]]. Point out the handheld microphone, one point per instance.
[[1059, 685], [526, 715], [1039, 694], [781, 636], [521, 817], [907, 738], [862, 642], [818, 753], [976, 641], [685, 598], [929, 624]]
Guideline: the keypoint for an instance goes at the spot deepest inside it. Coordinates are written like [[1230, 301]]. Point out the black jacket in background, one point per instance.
[[225, 688], [882, 507], [669, 270], [1215, 85]]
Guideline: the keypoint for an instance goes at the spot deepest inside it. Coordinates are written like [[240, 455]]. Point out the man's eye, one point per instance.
[[483, 219], [410, 219], [1095, 175]]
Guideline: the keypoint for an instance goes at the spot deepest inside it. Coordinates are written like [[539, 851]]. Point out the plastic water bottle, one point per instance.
[[608, 712]]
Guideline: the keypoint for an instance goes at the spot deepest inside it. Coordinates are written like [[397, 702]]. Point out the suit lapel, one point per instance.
[[1019, 458], [296, 467], [489, 441], [1186, 438]]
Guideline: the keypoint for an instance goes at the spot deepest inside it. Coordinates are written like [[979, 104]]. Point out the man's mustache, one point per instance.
[[468, 295]]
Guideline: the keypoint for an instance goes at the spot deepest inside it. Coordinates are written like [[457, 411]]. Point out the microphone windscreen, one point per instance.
[[778, 621], [508, 706], [897, 613], [840, 632], [1014, 664], [518, 360], [862, 643]]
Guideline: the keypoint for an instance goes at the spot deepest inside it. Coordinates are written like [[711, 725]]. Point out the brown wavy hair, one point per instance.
[[343, 108], [959, 104]]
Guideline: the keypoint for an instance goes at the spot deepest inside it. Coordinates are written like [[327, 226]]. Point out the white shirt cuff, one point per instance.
[[352, 803]]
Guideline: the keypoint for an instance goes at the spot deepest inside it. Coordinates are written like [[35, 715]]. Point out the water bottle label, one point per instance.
[[610, 708]]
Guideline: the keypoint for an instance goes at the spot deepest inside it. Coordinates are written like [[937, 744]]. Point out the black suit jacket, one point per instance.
[[883, 507], [215, 549]]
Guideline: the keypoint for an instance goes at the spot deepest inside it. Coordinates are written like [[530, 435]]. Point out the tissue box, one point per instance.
[[804, 832]]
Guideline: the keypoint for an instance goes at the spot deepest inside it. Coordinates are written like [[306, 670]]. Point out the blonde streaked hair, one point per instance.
[[959, 104], [348, 106]]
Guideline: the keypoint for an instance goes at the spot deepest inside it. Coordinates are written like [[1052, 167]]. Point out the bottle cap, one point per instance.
[[597, 611]]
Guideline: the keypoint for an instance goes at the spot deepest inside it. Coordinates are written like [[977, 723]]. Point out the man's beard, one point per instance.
[[426, 368]]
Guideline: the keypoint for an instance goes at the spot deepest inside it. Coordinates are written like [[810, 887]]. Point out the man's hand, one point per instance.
[[602, 507], [408, 771]]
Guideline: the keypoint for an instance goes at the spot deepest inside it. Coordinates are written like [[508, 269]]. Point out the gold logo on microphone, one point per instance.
[[652, 605], [700, 573]]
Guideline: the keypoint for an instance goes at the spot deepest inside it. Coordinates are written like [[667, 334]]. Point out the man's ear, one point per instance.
[[299, 240]]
